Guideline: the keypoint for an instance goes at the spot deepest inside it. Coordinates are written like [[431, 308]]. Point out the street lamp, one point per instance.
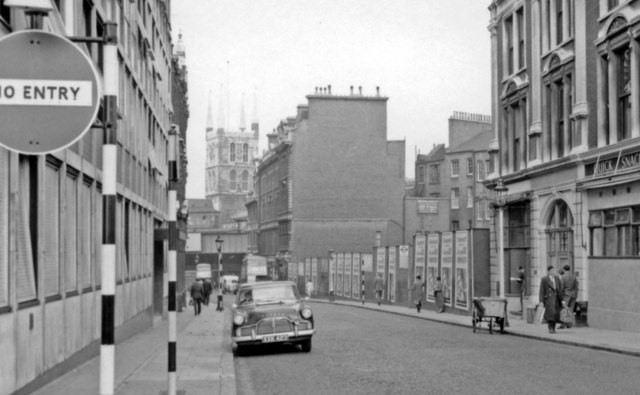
[[219, 243], [501, 197]]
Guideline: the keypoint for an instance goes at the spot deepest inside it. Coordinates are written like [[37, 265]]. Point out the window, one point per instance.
[[470, 166], [26, 288], [245, 153], [480, 209], [558, 16], [245, 180], [480, 170], [455, 225], [455, 168], [624, 93], [514, 114], [434, 194], [559, 103], [232, 180], [520, 26], [232, 152], [455, 198], [5, 14], [612, 4], [615, 232], [434, 174], [469, 197], [420, 178]]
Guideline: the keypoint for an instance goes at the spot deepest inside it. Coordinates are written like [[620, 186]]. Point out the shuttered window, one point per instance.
[[70, 232], [25, 273], [4, 227], [86, 234], [51, 231]]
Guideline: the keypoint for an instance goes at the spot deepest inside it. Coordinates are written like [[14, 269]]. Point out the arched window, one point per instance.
[[232, 180], [245, 153], [232, 152], [245, 180]]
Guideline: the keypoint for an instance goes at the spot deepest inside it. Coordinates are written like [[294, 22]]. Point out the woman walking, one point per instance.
[[417, 291]]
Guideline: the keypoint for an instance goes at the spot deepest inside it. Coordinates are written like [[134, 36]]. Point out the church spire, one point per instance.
[[243, 124], [209, 115], [221, 118], [255, 127]]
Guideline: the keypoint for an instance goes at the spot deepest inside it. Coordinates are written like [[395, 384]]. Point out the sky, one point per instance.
[[430, 57]]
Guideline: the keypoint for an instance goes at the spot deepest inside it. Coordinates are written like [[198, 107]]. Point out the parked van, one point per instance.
[[230, 284]]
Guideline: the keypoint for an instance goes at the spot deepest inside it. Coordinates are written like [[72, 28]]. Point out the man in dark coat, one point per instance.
[[207, 291], [551, 297], [570, 288], [197, 294]]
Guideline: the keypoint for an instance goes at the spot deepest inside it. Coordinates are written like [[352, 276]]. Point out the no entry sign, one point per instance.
[[49, 92]]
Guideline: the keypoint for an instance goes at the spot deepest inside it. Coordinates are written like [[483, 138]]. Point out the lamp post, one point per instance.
[[219, 243], [501, 191]]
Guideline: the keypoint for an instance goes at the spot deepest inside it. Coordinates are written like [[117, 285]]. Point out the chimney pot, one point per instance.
[[329, 88], [377, 91], [360, 90], [351, 87]]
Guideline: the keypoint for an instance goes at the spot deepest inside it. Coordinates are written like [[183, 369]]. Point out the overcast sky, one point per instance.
[[430, 57]]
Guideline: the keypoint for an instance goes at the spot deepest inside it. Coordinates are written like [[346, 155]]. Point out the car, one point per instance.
[[270, 312]]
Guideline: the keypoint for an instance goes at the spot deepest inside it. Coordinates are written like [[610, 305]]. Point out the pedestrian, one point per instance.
[[417, 292], [308, 288], [378, 286], [570, 291], [437, 293], [208, 289], [551, 298], [197, 294], [220, 306]]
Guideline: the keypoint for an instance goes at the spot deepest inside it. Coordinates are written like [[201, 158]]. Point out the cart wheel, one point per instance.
[[502, 325], [491, 325]]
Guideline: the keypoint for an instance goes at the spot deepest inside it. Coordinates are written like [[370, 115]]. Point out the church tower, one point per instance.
[[229, 165]]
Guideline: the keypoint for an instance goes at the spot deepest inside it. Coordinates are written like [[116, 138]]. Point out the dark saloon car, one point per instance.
[[270, 312]]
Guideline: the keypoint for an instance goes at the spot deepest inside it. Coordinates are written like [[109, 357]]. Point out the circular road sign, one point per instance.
[[49, 92]]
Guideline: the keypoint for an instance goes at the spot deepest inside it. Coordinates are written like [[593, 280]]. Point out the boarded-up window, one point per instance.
[[25, 271], [70, 231], [86, 233], [51, 231], [4, 227]]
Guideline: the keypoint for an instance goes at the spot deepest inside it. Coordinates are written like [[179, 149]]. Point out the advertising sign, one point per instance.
[[340, 273], [49, 92], [307, 269], [367, 262], [433, 260], [462, 270], [314, 273], [332, 272], [347, 275], [355, 276], [420, 256], [447, 266], [392, 274]]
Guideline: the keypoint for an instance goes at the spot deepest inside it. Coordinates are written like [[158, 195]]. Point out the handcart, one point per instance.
[[489, 310]]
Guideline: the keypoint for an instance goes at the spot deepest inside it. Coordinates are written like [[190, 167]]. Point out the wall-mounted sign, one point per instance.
[[630, 160], [426, 206], [49, 92]]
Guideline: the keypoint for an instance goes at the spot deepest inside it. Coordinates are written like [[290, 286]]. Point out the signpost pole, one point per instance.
[[173, 241], [109, 171]]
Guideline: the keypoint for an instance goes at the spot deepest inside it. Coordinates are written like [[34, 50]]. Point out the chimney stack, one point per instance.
[[360, 90], [329, 88], [351, 87], [378, 91]]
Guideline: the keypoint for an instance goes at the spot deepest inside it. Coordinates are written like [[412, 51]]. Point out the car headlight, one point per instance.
[[238, 319], [306, 313]]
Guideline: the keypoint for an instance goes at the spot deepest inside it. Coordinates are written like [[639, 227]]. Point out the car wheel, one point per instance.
[[306, 345], [238, 351]]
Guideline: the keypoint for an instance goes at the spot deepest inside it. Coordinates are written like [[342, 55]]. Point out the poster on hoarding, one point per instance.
[[403, 257], [381, 263], [367, 262], [433, 260], [447, 267], [332, 273], [314, 273], [347, 275], [340, 274], [355, 287], [420, 256], [391, 281], [307, 269], [461, 300]]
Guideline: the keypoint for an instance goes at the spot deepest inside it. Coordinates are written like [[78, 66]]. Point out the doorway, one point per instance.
[[560, 236]]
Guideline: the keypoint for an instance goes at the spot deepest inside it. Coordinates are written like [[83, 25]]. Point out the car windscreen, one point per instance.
[[284, 293]]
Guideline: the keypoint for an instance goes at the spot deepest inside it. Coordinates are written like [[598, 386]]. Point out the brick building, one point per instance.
[[330, 179]]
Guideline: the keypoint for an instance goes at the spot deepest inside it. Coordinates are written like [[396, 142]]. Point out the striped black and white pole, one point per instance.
[[362, 280], [171, 263], [109, 170]]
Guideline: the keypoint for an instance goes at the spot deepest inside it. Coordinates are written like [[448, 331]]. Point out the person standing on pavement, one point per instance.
[[197, 294], [437, 293], [551, 297], [207, 288], [570, 291], [220, 306], [521, 280], [308, 288], [417, 292], [378, 286]]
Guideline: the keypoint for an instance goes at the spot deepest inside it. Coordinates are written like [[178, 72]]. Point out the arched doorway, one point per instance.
[[560, 235]]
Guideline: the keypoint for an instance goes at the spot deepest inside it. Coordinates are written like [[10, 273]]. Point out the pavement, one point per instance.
[[205, 361]]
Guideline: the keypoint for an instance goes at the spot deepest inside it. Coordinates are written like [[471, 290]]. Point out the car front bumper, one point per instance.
[[291, 337]]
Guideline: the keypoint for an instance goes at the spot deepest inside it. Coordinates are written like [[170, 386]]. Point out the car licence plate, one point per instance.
[[273, 339]]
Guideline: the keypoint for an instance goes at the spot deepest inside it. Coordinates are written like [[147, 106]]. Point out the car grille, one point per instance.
[[266, 327]]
